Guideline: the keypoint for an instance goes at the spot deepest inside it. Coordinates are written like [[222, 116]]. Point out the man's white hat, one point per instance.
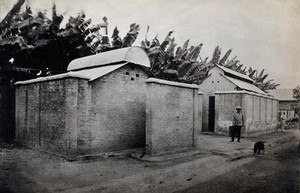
[[238, 107]]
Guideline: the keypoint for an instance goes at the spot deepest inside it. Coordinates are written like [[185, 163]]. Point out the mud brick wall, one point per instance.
[[46, 116], [72, 116], [214, 82], [28, 115], [174, 114], [260, 112], [114, 109], [58, 113]]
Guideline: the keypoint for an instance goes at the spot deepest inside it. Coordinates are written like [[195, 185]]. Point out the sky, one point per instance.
[[264, 34]]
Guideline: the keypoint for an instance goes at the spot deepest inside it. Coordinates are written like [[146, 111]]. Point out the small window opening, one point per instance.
[[212, 81], [132, 78], [137, 75], [127, 73]]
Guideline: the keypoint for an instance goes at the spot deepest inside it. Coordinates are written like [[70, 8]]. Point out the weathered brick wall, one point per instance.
[[58, 114], [260, 113], [116, 113], [46, 116], [174, 114], [215, 82], [224, 110]]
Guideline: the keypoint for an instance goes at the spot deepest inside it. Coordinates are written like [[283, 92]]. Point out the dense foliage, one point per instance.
[[185, 64], [296, 93], [30, 43]]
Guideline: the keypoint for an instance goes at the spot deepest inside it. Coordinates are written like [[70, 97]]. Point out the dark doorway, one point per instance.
[[211, 114]]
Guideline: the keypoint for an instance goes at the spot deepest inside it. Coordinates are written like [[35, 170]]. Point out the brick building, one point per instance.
[[173, 117], [97, 106], [223, 90]]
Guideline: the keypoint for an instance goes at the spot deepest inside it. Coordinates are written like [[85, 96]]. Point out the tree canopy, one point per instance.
[[33, 42]]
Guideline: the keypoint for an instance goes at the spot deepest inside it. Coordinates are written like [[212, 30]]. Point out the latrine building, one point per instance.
[[97, 106], [107, 103], [225, 89]]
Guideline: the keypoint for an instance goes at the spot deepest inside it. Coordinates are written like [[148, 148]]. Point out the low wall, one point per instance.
[[72, 117], [260, 112], [173, 116], [46, 116], [112, 113]]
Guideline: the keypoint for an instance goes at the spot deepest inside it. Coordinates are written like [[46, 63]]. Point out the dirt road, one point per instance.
[[277, 171], [25, 170]]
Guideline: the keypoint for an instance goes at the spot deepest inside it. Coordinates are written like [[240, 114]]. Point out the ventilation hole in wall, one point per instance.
[[212, 81], [137, 75], [218, 81], [132, 78], [127, 73]]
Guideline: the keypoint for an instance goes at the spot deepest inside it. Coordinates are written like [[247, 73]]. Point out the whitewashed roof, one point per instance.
[[172, 83], [53, 77], [133, 54], [88, 74], [245, 85], [98, 65], [283, 94], [243, 76], [245, 92]]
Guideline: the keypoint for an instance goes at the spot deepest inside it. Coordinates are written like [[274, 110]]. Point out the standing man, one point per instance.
[[283, 121], [238, 123]]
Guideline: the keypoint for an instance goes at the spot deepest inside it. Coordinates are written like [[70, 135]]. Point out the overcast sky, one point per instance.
[[264, 34]]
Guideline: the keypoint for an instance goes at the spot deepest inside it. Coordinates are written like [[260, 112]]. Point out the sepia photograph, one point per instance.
[[149, 96]]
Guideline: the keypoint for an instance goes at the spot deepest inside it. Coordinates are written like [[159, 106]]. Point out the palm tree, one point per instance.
[[37, 42]]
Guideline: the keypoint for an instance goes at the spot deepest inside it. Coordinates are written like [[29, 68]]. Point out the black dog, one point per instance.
[[258, 147]]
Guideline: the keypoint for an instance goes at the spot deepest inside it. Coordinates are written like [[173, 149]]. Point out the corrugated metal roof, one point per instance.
[[283, 94], [245, 85], [134, 55], [235, 73]]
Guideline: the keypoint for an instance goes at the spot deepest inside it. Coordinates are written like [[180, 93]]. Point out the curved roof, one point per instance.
[[134, 55]]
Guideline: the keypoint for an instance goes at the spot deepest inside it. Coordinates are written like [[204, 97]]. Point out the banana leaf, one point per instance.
[[167, 40], [225, 57], [171, 48], [184, 67], [263, 78], [193, 55], [131, 36], [261, 73], [216, 56], [185, 45]]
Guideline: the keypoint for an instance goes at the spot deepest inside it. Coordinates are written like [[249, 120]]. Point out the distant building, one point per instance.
[[287, 103], [223, 90], [98, 106]]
